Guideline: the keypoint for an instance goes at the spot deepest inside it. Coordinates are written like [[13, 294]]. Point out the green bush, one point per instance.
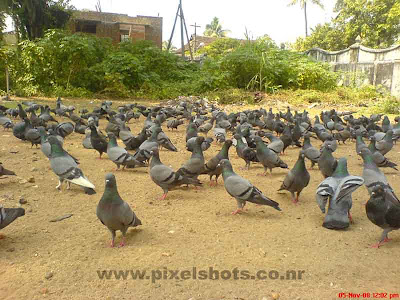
[[82, 65]]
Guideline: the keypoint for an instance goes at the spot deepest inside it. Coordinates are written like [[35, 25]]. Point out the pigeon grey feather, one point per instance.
[[338, 189], [66, 168], [115, 213], [242, 190], [165, 177], [297, 178]]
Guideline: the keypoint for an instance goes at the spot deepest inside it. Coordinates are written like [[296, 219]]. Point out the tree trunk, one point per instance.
[[305, 17]]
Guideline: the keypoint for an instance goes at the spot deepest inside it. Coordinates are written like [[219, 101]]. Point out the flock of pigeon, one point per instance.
[[248, 128]]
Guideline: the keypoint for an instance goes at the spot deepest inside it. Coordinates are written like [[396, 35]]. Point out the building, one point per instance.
[[118, 27], [361, 65]]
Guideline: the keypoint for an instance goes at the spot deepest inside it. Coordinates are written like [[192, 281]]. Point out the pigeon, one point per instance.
[[64, 129], [191, 131], [32, 135], [205, 128], [242, 190], [386, 124], [165, 177], [359, 142], [20, 128], [98, 143], [245, 152], [66, 168], [9, 215], [276, 144], [131, 142], [143, 153], [4, 171], [371, 173], [379, 159], [268, 158], [194, 166], [173, 124], [119, 155], [338, 189], [5, 121], [87, 144], [219, 133], [204, 145], [211, 167], [384, 211], [310, 152], [297, 178], [386, 144], [164, 141], [115, 213], [326, 162]]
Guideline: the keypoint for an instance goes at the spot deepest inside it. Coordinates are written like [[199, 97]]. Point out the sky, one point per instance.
[[281, 22]]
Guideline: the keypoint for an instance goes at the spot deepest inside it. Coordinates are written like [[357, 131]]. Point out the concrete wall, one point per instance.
[[365, 65], [110, 24]]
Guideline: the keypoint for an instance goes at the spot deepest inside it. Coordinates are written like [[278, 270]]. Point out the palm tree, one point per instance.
[[303, 5], [214, 29]]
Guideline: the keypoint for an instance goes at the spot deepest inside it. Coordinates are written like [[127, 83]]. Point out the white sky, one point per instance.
[[281, 22]]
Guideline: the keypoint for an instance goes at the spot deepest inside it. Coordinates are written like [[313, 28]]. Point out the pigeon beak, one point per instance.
[[373, 194], [107, 181]]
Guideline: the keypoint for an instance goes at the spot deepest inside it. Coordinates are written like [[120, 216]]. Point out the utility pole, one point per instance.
[[195, 36], [183, 26]]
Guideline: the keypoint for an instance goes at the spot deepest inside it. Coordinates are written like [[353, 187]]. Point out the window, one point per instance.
[[87, 27], [124, 35]]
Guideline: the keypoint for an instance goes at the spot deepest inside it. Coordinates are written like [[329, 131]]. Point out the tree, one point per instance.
[[376, 22], [33, 17], [325, 36], [165, 47], [214, 29], [303, 5]]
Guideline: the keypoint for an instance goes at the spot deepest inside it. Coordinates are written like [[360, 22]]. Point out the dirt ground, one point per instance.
[[40, 259]]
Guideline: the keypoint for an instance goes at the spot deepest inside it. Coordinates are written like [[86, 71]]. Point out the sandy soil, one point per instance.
[[191, 228]]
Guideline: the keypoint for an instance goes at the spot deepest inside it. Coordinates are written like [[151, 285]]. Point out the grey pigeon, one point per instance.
[[9, 215], [32, 135], [64, 129], [297, 178], [245, 152], [66, 168], [386, 144], [195, 165], [371, 173], [115, 213], [165, 177], [384, 211], [6, 122], [310, 152], [219, 133], [143, 153], [205, 128], [212, 167], [204, 145], [338, 189], [268, 158], [164, 141], [173, 124], [97, 141], [276, 144], [87, 144], [380, 160], [242, 190], [326, 162], [119, 155]]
